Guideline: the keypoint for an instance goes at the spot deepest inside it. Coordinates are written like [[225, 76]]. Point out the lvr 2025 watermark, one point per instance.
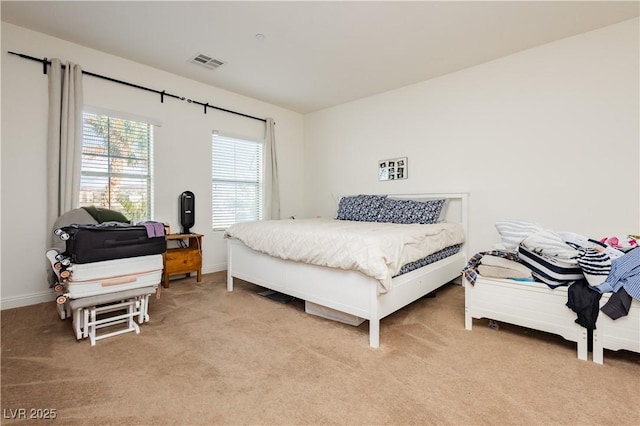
[[29, 413]]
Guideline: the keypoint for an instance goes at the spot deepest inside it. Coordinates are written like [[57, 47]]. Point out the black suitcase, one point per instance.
[[108, 241]]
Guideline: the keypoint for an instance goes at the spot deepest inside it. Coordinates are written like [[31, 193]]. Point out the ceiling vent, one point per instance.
[[206, 61]]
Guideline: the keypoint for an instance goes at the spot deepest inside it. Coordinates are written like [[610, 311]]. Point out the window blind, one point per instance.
[[237, 181], [116, 171]]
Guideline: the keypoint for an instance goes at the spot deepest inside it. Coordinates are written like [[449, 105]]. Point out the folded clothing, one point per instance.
[[500, 267], [490, 260], [154, 229], [550, 244], [498, 272]]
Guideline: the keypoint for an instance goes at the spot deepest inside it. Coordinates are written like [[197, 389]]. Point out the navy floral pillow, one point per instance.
[[362, 208], [410, 211]]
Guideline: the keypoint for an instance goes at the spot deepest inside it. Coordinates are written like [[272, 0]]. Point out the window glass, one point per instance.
[[117, 165], [237, 180]]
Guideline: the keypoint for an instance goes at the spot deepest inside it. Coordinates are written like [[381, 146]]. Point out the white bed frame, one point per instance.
[[623, 333], [351, 292], [527, 304], [534, 305]]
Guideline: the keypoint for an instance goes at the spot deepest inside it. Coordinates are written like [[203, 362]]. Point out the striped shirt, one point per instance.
[[625, 273]]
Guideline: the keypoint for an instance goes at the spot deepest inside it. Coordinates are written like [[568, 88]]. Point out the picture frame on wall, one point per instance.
[[392, 168]]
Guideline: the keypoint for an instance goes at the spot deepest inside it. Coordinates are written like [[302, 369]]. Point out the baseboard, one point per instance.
[[216, 267], [27, 299]]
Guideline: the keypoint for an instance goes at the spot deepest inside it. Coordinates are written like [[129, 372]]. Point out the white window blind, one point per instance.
[[237, 176], [117, 165]]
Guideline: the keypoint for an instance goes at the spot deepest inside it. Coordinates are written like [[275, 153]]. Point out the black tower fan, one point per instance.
[[187, 211]]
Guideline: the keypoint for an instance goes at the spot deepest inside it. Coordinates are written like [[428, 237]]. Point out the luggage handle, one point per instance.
[[122, 280], [118, 243]]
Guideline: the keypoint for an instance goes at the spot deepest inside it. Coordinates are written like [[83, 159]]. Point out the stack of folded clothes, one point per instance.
[[497, 267]]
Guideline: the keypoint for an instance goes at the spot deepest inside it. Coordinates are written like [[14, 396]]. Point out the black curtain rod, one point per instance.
[[162, 94]]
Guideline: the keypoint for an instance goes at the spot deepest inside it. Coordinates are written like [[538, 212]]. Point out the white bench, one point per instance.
[[86, 310]]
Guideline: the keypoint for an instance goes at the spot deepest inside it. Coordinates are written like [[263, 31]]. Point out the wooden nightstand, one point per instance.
[[183, 259]]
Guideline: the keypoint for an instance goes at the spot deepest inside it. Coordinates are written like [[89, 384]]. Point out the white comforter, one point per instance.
[[378, 250]]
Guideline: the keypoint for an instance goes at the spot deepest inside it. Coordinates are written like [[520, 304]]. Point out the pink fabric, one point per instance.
[[154, 229]]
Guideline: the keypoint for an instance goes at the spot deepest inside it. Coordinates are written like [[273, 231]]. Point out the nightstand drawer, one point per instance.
[[182, 260]]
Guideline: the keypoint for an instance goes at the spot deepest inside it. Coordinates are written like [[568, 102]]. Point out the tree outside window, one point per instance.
[[117, 165]]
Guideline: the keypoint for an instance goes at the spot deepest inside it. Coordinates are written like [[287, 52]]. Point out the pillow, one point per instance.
[[361, 208], [79, 215], [513, 232], [102, 214], [443, 213], [410, 211]]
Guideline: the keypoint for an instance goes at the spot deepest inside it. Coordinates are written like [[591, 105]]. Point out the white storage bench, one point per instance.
[[527, 304], [623, 333]]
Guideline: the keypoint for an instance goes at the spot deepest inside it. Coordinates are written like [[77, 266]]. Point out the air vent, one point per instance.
[[206, 61]]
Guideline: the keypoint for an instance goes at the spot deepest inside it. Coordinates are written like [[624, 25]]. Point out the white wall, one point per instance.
[[182, 154], [548, 135]]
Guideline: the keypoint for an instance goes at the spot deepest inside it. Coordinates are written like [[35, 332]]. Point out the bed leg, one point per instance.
[[229, 267], [229, 281], [374, 333], [598, 349], [468, 320]]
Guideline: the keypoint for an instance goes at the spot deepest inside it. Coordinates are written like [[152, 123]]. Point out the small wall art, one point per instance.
[[392, 169]]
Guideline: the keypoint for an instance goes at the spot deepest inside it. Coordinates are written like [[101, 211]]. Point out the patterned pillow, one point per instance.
[[410, 211], [362, 208]]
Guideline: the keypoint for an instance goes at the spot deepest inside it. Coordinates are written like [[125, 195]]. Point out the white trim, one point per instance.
[[214, 267], [122, 115], [27, 299], [236, 136]]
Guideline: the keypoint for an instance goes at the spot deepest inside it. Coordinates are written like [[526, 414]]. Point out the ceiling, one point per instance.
[[315, 54]]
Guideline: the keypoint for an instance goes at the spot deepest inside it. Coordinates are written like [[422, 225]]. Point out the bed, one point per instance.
[[534, 305], [527, 304], [350, 291]]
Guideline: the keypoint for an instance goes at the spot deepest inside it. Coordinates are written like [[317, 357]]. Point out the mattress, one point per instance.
[[378, 250], [92, 279], [432, 258]]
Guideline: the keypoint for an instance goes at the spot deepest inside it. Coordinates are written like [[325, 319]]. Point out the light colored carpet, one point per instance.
[[212, 357]]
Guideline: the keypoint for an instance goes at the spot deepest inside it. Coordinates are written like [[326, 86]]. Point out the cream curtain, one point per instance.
[[64, 139], [271, 185]]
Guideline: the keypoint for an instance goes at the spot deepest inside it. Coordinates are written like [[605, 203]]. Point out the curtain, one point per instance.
[[64, 139], [271, 185]]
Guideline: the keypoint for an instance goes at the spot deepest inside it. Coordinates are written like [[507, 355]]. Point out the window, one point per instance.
[[237, 176], [117, 165]]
